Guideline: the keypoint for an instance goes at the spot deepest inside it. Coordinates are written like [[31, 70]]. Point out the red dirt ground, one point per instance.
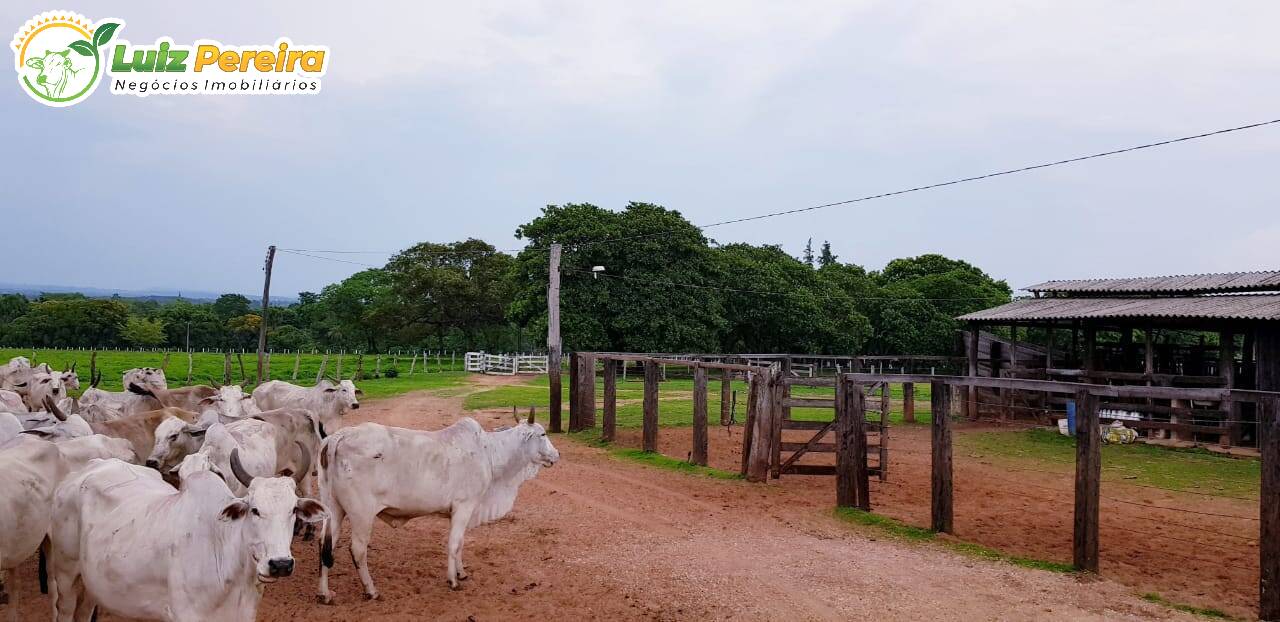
[[595, 537]]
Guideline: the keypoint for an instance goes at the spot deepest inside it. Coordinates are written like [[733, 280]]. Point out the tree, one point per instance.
[[808, 253], [141, 332], [290, 338], [244, 329], [74, 322], [827, 258], [462, 286], [634, 306], [356, 311], [228, 306]]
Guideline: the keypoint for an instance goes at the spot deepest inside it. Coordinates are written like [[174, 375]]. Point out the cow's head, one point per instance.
[[229, 401], [175, 440], [267, 514], [344, 393], [151, 377], [45, 383], [70, 379], [55, 70], [535, 446]]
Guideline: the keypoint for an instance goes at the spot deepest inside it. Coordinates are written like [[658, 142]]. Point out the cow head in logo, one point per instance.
[[56, 71]]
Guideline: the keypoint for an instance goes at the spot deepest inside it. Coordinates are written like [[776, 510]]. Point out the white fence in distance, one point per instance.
[[505, 364]]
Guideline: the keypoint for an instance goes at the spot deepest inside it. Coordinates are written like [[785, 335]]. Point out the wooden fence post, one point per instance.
[[587, 380], [1088, 483], [413, 362], [753, 390], [846, 485], [651, 372], [909, 402], [1269, 498], [575, 395], [324, 362], [359, 366], [699, 455], [941, 512], [609, 426], [190, 366], [226, 367], [297, 362], [758, 467], [726, 397]]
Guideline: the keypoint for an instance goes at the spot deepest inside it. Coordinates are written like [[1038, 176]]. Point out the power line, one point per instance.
[[1021, 169], [354, 263]]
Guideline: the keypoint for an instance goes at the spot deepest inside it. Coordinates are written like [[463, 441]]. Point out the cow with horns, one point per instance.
[[372, 471], [126, 543]]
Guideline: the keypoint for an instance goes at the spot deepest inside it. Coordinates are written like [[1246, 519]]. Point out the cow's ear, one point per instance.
[[35, 63], [310, 511], [236, 511], [359, 392]]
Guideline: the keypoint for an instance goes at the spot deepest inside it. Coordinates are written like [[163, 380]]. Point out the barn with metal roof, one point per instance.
[[1200, 330]]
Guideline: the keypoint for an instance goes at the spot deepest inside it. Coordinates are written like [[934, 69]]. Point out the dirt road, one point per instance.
[[594, 537]]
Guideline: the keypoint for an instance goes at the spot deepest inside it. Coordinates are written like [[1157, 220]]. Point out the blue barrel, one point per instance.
[[1071, 417]]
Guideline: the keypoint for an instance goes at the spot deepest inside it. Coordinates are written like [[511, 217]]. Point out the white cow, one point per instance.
[[42, 384], [327, 400], [127, 543], [294, 431], [32, 469], [10, 427], [373, 471], [14, 371], [253, 442], [11, 402], [146, 377]]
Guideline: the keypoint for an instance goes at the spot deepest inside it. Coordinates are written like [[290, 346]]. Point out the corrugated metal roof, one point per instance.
[[1239, 307], [1185, 284]]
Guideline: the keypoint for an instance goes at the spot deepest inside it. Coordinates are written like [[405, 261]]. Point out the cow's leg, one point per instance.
[[11, 601], [361, 532], [459, 518], [330, 530]]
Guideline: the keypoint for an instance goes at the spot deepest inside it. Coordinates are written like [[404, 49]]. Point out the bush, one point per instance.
[[391, 372]]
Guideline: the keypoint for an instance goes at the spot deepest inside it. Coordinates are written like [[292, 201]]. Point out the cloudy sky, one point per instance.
[[441, 121]]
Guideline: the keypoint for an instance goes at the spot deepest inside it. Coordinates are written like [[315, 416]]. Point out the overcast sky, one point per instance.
[[442, 121]]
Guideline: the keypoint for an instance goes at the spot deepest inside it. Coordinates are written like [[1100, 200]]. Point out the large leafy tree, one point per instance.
[[354, 312], [776, 303], [142, 332], [633, 306], [462, 287], [75, 322]]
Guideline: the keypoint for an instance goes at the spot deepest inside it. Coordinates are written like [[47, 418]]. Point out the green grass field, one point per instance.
[[208, 367]]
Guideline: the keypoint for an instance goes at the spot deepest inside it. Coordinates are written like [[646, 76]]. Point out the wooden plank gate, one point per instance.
[[787, 453]]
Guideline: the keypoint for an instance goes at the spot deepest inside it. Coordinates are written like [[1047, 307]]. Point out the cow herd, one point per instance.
[[182, 504]]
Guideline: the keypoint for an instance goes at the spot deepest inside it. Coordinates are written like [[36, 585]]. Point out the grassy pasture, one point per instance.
[[208, 366]]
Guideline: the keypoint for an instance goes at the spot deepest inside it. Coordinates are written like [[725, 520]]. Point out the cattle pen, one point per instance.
[[1115, 524]]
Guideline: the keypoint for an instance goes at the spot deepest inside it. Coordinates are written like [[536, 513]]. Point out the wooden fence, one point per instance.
[[851, 476]]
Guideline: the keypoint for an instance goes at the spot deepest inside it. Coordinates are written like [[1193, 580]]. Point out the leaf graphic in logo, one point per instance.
[[104, 33], [82, 48]]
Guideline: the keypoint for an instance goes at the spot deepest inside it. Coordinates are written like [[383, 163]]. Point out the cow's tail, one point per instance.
[[330, 527]]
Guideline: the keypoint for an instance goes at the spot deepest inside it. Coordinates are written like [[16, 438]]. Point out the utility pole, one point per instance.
[[553, 336], [266, 301]]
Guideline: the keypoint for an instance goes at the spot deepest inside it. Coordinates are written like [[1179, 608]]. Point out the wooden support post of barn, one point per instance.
[[586, 394], [1088, 483], [941, 507], [971, 408], [650, 424], [698, 455], [575, 404], [726, 397], [609, 426], [909, 402], [1227, 371], [1269, 512]]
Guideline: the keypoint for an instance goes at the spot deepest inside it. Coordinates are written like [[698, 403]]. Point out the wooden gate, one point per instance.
[[815, 435]]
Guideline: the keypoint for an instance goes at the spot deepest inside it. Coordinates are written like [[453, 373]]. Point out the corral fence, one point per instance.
[[506, 364], [858, 436]]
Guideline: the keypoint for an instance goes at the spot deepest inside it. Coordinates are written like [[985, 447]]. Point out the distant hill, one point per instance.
[[162, 297]]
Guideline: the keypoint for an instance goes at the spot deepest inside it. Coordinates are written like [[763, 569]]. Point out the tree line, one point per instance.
[[665, 287]]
